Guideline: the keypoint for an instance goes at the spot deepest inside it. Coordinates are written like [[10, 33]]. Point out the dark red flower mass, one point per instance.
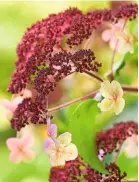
[[43, 60], [78, 171], [111, 139]]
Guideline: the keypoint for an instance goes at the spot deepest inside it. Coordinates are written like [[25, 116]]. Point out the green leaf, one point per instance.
[[83, 129], [131, 168]]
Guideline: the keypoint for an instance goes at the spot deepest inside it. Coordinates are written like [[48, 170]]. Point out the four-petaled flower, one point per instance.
[[60, 149], [117, 35], [112, 93], [21, 149]]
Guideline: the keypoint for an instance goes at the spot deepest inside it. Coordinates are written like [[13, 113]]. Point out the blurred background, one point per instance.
[[15, 17]]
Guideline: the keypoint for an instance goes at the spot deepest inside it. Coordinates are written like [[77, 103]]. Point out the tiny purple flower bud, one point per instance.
[[52, 129]]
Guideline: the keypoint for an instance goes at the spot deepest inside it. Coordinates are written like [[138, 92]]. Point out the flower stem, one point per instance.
[[113, 55], [129, 88], [94, 75], [92, 94]]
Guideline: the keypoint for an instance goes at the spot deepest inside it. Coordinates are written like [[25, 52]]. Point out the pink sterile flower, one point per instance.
[[21, 149], [116, 35], [131, 146], [11, 106]]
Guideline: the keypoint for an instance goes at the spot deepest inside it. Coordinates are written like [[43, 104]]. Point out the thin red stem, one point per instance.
[[129, 88], [92, 94], [94, 75]]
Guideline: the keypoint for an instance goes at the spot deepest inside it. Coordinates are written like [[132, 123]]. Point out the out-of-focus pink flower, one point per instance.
[[11, 106], [131, 146], [21, 149], [116, 34]]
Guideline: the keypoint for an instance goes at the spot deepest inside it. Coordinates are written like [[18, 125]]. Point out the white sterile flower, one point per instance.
[[60, 149], [112, 93]]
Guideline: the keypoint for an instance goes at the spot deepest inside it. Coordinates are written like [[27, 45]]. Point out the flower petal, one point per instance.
[[119, 106], [125, 47], [131, 148], [57, 161], [16, 156], [106, 35], [7, 104], [117, 89], [64, 138], [28, 155], [12, 143], [26, 141], [106, 89], [52, 130], [47, 143], [71, 152], [106, 104]]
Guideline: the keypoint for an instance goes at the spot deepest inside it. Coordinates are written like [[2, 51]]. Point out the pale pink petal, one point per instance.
[[28, 155], [106, 35], [26, 141], [15, 102], [16, 156], [7, 104], [131, 144], [13, 143], [27, 93]]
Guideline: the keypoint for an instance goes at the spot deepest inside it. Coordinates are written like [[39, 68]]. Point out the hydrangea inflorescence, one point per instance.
[[108, 141], [42, 61], [50, 50]]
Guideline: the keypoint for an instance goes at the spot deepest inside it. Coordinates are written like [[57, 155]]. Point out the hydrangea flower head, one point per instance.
[[112, 93], [21, 149]]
